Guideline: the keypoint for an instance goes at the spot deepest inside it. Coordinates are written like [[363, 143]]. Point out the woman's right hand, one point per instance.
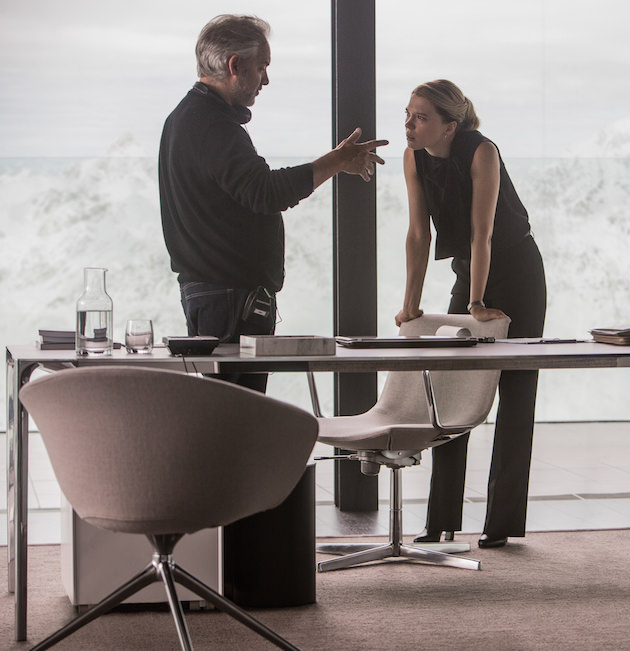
[[407, 315], [486, 313]]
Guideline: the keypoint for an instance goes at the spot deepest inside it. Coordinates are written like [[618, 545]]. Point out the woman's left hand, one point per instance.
[[486, 313]]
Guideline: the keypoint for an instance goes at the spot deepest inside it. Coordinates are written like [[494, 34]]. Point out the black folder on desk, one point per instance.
[[425, 341]]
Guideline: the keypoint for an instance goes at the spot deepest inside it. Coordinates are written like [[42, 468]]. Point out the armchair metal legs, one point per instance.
[[358, 553], [162, 568], [139, 581]]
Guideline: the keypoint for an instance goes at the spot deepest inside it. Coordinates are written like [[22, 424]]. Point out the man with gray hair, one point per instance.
[[221, 204]]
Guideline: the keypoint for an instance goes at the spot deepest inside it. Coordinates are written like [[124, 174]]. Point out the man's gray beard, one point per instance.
[[244, 97]]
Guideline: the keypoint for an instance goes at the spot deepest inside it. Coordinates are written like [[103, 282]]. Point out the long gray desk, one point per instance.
[[23, 360]]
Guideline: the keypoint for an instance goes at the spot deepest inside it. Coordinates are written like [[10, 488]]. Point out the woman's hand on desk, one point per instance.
[[407, 315], [486, 313]]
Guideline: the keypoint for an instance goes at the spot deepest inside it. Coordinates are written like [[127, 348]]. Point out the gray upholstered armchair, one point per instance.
[[164, 454]]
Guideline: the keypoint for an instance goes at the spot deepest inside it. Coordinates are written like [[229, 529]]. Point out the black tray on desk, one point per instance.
[[191, 346]]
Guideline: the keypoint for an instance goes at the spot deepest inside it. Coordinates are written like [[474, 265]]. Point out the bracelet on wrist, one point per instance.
[[475, 304]]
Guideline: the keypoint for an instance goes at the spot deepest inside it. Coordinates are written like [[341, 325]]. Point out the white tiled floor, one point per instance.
[[580, 479]]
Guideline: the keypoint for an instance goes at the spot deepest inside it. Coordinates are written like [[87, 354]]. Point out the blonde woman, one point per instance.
[[455, 176]]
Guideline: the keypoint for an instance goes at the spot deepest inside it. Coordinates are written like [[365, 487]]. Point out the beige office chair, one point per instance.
[[164, 454], [416, 411]]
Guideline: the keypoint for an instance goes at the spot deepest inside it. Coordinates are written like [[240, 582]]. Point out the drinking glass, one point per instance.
[[139, 336]]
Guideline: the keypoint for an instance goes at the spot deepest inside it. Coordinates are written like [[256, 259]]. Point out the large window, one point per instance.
[[85, 90], [86, 87], [549, 81]]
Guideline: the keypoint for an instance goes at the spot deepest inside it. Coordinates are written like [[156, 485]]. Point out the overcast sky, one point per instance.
[[75, 75]]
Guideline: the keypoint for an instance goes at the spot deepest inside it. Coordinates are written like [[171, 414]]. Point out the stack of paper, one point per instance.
[[619, 336], [56, 339]]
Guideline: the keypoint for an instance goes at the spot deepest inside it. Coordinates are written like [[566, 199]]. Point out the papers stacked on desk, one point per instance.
[[56, 340], [621, 337], [263, 345], [60, 340]]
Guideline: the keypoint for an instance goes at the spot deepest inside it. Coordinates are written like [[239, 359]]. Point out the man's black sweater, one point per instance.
[[220, 201]]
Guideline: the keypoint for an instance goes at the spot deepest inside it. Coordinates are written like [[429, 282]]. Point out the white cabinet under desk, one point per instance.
[[94, 561]]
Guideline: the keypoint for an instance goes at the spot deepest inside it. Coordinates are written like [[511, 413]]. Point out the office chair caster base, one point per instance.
[[381, 552], [344, 548], [351, 548], [446, 547]]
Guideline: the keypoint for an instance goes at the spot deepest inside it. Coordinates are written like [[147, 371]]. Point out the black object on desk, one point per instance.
[[425, 341], [191, 345]]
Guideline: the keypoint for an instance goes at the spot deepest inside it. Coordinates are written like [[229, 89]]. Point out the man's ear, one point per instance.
[[234, 64]]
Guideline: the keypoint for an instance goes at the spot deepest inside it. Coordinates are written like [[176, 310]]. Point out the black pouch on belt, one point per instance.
[[259, 303]]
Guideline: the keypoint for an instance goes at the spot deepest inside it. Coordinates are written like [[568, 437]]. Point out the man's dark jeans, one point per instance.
[[213, 310]]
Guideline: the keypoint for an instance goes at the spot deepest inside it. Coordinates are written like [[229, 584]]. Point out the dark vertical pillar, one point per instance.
[[354, 226]]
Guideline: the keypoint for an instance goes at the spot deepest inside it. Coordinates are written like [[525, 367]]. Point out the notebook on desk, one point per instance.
[[426, 341]]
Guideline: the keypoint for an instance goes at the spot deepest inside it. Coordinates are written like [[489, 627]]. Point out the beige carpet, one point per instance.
[[547, 591]]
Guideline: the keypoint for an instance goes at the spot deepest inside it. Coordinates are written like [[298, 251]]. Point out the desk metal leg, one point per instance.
[[17, 490]]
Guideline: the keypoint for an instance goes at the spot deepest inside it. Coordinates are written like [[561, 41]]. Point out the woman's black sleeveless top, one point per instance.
[[447, 185]]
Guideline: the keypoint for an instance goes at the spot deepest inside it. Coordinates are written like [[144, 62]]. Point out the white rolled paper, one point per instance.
[[452, 331]]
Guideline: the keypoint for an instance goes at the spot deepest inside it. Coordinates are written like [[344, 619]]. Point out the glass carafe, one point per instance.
[[94, 315]]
